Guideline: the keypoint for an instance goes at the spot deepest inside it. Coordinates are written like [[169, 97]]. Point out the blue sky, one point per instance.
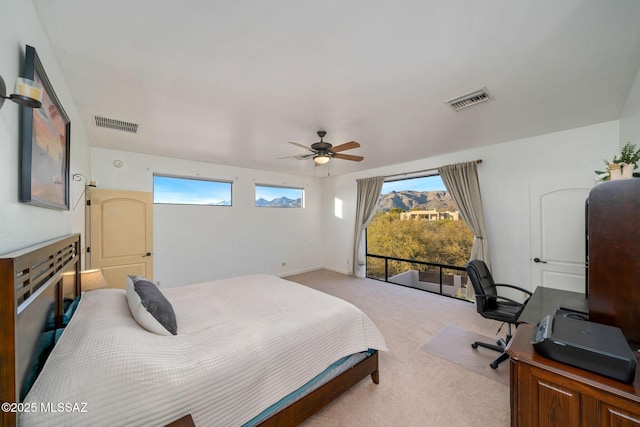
[[186, 191], [426, 183], [190, 191], [203, 192]]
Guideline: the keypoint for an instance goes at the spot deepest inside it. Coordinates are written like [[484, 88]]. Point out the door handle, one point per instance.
[[536, 259], [146, 255]]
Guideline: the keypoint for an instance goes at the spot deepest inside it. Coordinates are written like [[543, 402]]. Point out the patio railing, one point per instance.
[[442, 279]]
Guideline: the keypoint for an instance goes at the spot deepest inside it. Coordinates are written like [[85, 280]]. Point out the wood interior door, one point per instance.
[[121, 236]]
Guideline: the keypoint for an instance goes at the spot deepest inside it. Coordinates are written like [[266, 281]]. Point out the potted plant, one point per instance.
[[623, 165]]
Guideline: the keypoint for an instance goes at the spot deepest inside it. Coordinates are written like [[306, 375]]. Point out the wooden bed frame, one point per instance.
[[33, 285], [310, 404]]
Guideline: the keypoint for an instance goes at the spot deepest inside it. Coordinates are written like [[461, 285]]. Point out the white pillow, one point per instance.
[[149, 306]]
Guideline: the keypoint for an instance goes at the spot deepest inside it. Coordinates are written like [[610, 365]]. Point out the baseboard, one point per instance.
[[303, 270], [308, 270], [337, 270]]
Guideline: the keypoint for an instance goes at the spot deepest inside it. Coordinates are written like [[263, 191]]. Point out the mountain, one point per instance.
[[281, 202], [426, 200]]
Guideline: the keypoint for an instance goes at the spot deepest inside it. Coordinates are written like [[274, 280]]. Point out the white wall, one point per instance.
[[22, 225], [507, 171], [630, 117], [199, 243]]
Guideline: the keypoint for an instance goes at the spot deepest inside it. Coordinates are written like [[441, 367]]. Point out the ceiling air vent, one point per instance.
[[470, 99], [104, 122]]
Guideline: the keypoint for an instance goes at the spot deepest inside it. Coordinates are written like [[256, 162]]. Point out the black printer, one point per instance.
[[591, 346]]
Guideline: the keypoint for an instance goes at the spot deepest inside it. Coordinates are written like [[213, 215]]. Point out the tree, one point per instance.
[[443, 242]]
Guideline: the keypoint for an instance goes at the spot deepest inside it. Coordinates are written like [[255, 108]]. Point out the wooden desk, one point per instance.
[[549, 393], [547, 300]]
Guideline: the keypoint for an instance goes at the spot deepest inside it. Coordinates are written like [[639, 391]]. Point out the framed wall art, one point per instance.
[[44, 145]]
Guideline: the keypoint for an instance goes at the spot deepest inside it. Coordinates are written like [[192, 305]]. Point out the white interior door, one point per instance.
[[558, 234]]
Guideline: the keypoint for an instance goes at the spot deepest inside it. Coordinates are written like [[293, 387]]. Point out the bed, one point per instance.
[[249, 376]]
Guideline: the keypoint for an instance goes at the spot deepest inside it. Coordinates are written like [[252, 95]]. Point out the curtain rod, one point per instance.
[[421, 171]]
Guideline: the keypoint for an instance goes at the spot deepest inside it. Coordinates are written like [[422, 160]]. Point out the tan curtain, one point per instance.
[[368, 195], [462, 183]]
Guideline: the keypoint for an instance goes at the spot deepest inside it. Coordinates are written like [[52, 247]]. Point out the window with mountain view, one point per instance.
[[279, 197], [190, 191], [417, 237]]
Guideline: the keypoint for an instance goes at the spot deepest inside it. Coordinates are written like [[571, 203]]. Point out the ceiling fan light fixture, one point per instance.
[[321, 152], [321, 158]]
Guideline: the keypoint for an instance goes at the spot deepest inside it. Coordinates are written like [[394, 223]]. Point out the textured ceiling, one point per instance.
[[233, 82]]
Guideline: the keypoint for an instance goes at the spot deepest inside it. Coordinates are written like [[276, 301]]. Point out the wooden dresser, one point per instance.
[[549, 393], [613, 223]]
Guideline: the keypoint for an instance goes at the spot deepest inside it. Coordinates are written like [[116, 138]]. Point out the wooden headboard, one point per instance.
[[33, 284]]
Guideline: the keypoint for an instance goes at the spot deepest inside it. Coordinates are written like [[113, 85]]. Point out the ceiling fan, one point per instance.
[[322, 151]]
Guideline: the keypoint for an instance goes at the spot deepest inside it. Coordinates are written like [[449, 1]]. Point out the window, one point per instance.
[[279, 197], [191, 191], [419, 226]]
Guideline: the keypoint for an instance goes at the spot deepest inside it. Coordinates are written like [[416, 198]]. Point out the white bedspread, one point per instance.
[[242, 344]]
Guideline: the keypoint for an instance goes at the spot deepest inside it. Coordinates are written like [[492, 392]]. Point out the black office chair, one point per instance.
[[492, 306]]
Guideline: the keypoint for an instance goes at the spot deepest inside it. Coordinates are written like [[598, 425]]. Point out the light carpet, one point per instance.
[[417, 388], [454, 344]]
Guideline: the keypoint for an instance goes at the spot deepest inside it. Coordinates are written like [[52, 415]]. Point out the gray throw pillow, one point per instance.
[[150, 307]]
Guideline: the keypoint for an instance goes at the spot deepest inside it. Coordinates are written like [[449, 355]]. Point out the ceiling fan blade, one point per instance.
[[348, 157], [346, 146], [298, 156], [300, 145]]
